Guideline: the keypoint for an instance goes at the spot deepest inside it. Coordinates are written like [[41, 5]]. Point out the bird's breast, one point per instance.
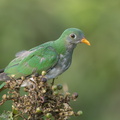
[[61, 66]]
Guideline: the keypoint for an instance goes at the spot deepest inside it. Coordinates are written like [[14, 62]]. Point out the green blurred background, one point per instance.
[[94, 73]]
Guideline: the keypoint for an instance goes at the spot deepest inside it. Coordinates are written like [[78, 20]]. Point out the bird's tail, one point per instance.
[[3, 76], [1, 70]]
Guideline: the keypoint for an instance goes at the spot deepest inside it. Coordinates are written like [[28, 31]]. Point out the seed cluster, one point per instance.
[[42, 100]]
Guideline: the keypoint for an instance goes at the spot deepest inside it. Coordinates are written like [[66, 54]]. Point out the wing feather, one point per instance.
[[37, 61]]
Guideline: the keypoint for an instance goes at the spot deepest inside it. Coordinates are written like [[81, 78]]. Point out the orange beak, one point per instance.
[[85, 41]]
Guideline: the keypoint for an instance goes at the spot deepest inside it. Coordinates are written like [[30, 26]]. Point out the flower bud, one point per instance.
[[43, 73], [38, 110], [54, 87], [48, 115], [79, 112], [55, 93], [75, 95]]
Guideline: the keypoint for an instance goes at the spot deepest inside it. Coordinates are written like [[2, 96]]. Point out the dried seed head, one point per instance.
[[26, 89], [67, 94], [23, 78], [44, 79], [71, 113], [8, 97], [14, 110], [4, 97], [43, 90], [30, 86], [41, 100], [13, 96], [36, 74]]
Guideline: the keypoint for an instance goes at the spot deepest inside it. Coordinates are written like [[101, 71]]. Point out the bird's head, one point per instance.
[[74, 36]]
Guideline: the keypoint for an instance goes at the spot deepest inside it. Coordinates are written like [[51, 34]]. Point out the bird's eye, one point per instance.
[[73, 36]]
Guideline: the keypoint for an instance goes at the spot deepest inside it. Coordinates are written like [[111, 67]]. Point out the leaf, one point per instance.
[[2, 85]]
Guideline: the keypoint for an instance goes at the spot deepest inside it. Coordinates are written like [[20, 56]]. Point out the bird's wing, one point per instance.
[[37, 61], [21, 53], [19, 57]]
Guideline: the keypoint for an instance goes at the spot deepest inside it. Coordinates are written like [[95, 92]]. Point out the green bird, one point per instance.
[[54, 57]]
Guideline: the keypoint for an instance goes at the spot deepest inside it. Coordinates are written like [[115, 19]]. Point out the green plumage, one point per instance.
[[40, 59]]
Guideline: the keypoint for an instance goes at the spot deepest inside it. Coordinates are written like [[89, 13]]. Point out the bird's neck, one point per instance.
[[70, 47], [63, 47]]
